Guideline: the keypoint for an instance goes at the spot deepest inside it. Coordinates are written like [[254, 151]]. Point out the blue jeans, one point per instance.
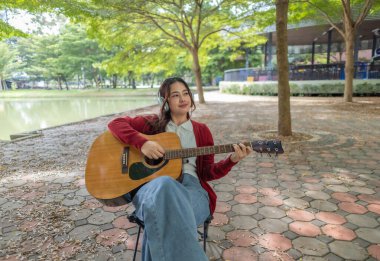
[[171, 212]]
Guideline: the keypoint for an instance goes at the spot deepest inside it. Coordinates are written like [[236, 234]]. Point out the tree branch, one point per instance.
[[216, 31], [185, 43], [347, 10], [199, 23], [186, 21], [367, 7], [183, 24], [212, 10], [331, 22], [148, 14], [182, 32]]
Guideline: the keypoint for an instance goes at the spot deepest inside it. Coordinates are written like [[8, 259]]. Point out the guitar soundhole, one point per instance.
[[153, 162]]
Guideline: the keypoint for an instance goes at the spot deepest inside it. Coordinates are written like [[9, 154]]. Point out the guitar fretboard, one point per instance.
[[193, 152]]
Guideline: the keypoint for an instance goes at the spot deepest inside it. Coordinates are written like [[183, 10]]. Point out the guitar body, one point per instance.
[[114, 168]]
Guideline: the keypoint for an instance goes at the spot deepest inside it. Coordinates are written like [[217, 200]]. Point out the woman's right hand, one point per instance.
[[152, 150]]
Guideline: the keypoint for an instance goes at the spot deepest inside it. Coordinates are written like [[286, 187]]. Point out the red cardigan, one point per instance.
[[128, 130]]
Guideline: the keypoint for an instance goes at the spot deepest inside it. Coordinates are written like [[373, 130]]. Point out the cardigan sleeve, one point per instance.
[[128, 130], [210, 169]]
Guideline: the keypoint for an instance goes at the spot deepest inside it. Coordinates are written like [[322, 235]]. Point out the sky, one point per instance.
[[24, 21]]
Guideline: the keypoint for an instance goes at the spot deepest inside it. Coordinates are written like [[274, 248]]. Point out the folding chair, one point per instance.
[[134, 219]]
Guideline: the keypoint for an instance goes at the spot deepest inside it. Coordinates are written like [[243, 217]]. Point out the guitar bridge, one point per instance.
[[124, 161]]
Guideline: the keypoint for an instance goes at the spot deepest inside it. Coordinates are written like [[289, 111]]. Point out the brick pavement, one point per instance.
[[318, 201]]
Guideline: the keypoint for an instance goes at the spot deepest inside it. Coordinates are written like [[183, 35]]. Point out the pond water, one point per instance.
[[19, 115]]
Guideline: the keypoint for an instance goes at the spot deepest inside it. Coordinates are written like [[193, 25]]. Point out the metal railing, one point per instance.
[[305, 72]]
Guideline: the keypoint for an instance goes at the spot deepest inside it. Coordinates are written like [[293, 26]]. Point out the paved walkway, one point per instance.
[[318, 201]]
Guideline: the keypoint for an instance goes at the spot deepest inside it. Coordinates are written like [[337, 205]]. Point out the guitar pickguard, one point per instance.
[[138, 170]]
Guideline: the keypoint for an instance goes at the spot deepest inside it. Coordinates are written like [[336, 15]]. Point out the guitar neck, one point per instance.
[[193, 152]]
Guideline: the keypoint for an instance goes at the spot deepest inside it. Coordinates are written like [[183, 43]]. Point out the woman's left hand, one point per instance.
[[241, 151]]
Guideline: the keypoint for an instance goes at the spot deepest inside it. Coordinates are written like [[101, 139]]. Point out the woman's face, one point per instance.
[[179, 99]]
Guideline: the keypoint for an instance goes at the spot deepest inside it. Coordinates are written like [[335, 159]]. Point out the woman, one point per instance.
[[170, 210]]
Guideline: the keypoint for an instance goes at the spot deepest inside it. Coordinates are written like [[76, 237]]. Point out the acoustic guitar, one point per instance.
[[114, 168]]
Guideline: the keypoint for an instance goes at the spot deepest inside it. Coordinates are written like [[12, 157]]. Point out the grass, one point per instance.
[[37, 93]]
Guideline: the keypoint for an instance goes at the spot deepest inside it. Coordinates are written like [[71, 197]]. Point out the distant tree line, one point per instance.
[[150, 39], [72, 58]]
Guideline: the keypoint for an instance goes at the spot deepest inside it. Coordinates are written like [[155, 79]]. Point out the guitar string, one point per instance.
[[191, 152]]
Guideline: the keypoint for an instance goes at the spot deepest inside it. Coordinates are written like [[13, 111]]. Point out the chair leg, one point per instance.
[[137, 243], [204, 241], [205, 233]]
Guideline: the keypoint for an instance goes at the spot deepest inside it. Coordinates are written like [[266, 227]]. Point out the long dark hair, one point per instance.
[[164, 116]]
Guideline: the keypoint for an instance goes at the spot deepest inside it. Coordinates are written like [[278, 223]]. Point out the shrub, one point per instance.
[[302, 88]]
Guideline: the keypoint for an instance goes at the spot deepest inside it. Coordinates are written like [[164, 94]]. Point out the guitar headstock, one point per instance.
[[267, 146]]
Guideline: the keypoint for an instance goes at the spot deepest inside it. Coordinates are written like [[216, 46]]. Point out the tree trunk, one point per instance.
[[96, 78], [114, 81], [284, 117], [349, 66], [67, 85], [130, 77], [133, 83], [60, 83], [101, 80], [2, 85], [198, 75], [152, 85]]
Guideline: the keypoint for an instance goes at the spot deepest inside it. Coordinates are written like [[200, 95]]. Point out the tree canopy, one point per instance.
[[63, 57], [163, 31], [345, 16]]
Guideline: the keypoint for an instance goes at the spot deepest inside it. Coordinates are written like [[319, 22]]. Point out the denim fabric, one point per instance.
[[171, 212]]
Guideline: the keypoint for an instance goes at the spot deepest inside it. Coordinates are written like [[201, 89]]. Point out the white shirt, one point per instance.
[[186, 135]]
